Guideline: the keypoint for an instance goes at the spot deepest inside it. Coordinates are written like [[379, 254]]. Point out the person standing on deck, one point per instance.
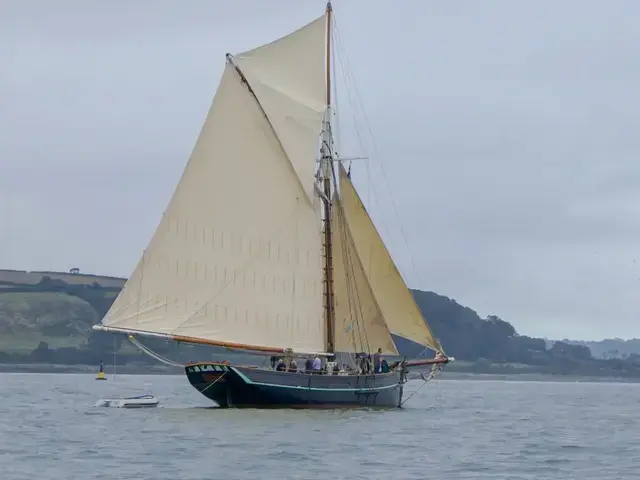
[[377, 361], [317, 365], [293, 366], [308, 364], [363, 364]]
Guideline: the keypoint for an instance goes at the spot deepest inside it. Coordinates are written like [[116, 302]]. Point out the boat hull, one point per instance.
[[248, 387], [142, 401]]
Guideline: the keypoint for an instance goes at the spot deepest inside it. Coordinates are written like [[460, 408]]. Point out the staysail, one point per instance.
[[360, 325], [237, 257], [397, 306]]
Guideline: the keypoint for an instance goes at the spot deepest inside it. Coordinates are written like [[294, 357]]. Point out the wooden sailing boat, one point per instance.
[[266, 246]]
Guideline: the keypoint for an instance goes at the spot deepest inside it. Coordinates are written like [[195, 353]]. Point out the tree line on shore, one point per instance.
[[483, 345]]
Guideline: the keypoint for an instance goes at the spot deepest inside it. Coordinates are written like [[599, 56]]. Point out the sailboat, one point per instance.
[[266, 247]]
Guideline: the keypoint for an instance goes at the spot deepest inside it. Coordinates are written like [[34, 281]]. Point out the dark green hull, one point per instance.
[[246, 387]]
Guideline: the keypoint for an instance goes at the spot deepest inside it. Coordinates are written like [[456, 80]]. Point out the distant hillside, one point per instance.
[[46, 317], [18, 278], [54, 307], [26, 319], [610, 347]]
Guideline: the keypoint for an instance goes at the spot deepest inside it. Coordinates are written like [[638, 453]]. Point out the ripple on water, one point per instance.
[[49, 428]]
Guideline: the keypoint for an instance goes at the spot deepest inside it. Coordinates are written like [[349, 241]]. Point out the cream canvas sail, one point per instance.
[[396, 303], [359, 324], [237, 257], [288, 77]]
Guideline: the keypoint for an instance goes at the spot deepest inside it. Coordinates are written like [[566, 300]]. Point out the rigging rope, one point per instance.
[[353, 295], [151, 353], [216, 381], [434, 372], [356, 103], [349, 266]]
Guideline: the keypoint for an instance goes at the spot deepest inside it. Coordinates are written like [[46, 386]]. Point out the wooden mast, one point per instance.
[[327, 169]]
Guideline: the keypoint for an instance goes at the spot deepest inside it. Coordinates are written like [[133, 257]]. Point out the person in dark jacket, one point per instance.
[[384, 366], [308, 364]]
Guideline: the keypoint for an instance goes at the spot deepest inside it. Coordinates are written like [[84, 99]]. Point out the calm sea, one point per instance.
[[451, 429]]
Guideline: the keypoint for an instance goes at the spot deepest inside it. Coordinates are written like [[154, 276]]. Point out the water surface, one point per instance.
[[451, 429]]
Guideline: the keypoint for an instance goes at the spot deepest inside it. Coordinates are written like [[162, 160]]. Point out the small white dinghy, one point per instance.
[[142, 401]]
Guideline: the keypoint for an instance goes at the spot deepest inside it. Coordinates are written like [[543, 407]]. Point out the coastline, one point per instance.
[[41, 368], [62, 347], [88, 369], [533, 377]]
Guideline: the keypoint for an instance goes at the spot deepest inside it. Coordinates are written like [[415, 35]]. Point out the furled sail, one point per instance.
[[359, 324], [397, 305], [237, 257]]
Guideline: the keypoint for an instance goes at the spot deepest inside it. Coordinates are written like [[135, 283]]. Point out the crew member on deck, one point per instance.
[[384, 366], [317, 365], [365, 364], [293, 366], [281, 367], [377, 361], [308, 364]]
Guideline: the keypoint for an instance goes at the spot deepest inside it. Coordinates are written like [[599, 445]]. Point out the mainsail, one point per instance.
[[238, 257]]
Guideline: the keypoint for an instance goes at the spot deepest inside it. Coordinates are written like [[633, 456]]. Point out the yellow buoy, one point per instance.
[[101, 372]]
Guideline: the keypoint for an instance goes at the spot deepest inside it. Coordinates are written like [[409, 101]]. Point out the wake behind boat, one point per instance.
[[267, 247]]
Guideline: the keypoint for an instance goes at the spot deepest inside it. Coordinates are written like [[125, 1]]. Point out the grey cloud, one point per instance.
[[507, 131]]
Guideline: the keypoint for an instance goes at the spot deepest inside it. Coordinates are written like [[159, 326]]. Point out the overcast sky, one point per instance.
[[506, 134]]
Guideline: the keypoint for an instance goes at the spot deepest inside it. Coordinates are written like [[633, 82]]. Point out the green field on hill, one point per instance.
[[61, 320]]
